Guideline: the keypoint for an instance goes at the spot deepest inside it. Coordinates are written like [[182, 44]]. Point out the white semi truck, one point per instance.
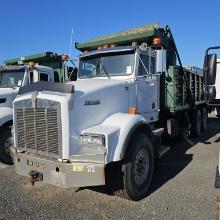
[[15, 74], [216, 102], [105, 128]]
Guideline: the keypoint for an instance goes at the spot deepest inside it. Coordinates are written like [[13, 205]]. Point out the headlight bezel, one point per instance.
[[93, 139]]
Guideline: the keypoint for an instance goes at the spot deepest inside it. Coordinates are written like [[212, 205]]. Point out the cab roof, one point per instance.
[[37, 58]]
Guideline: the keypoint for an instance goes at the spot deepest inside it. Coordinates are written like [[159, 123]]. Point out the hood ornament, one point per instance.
[[34, 100]]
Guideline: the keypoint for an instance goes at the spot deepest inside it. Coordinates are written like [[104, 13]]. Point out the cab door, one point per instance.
[[147, 88]]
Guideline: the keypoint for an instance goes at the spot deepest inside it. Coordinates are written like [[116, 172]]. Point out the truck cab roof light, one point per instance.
[[134, 44], [113, 45], [31, 64], [144, 45], [64, 57], [156, 41], [132, 111], [20, 62]]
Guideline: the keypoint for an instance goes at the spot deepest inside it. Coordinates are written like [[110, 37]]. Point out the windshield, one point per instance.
[[11, 79], [106, 65]]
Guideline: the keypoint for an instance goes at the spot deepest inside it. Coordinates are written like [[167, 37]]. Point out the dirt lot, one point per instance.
[[183, 188]]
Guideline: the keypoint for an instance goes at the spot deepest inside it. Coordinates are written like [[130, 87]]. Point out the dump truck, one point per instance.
[[215, 101], [106, 128], [19, 72]]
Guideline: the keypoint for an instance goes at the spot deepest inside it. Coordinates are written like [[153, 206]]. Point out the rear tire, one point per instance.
[[5, 143], [137, 170]]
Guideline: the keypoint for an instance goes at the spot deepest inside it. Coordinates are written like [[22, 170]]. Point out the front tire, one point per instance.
[[138, 169], [5, 143]]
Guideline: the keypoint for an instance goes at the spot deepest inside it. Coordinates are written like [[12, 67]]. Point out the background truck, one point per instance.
[[106, 128], [20, 72], [215, 102]]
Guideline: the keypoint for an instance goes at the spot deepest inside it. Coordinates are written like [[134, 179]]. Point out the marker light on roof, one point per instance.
[[156, 41]]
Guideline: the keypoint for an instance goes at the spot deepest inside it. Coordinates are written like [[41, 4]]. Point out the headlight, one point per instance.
[[93, 139]]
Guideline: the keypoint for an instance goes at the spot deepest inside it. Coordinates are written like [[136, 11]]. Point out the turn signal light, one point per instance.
[[64, 57], [31, 64], [113, 45], [132, 111], [134, 44], [156, 41]]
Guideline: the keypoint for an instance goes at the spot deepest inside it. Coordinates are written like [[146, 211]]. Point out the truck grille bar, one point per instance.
[[38, 130]]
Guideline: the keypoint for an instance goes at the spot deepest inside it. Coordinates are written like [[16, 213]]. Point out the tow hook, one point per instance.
[[35, 176]]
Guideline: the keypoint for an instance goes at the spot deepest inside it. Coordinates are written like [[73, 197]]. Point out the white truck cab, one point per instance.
[[217, 87], [87, 125], [11, 79]]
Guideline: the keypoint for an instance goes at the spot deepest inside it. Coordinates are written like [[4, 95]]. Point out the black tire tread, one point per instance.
[[115, 182], [4, 158]]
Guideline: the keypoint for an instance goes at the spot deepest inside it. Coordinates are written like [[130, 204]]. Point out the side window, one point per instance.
[[143, 65], [31, 77], [148, 67], [43, 77]]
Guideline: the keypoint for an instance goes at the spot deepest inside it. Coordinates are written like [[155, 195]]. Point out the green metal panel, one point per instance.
[[140, 34], [40, 57], [176, 95], [125, 38]]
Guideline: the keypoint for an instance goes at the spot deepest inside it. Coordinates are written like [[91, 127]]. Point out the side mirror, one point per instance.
[[210, 65], [161, 61], [19, 82]]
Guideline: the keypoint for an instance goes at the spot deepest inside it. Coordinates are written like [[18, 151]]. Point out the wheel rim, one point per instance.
[[7, 145], [141, 167]]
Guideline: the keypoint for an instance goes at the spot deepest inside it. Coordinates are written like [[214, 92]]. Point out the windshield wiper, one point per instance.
[[105, 71]]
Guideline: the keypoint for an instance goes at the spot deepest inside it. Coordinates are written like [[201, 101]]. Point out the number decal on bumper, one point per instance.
[[82, 168]]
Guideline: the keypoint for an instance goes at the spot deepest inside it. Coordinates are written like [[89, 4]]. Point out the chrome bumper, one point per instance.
[[77, 174]]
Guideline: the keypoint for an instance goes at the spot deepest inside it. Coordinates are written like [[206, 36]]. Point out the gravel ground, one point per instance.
[[183, 188]]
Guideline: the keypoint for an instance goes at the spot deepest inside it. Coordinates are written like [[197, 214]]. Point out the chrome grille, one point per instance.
[[38, 130]]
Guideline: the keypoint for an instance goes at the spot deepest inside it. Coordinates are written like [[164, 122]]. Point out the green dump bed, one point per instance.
[[141, 34], [176, 96], [49, 59]]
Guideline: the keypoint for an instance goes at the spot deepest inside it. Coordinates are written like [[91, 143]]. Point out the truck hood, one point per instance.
[[7, 95], [101, 95], [87, 86], [94, 100]]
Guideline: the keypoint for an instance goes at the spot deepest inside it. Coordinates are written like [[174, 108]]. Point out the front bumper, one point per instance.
[[77, 174]]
